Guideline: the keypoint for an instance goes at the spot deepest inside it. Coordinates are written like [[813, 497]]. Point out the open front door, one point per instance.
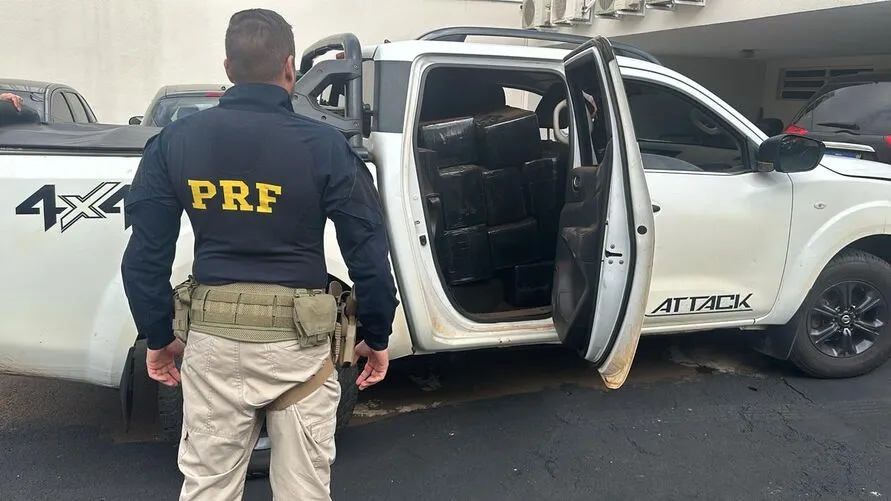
[[604, 253]]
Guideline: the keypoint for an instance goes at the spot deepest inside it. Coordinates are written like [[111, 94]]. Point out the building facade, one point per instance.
[[764, 57]]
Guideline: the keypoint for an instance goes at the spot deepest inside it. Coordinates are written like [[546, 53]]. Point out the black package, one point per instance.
[[428, 170], [529, 285], [507, 136], [548, 231], [505, 197], [452, 139], [558, 150], [461, 191], [464, 255], [542, 186], [514, 243]]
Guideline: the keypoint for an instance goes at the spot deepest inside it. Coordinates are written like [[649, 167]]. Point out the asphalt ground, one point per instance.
[[701, 417]]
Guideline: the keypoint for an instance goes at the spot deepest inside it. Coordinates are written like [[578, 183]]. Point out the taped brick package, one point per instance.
[[529, 285], [453, 140], [514, 243], [464, 255], [507, 137], [461, 191], [428, 170], [505, 196]]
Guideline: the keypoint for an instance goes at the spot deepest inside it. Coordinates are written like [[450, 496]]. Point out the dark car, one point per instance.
[[173, 102], [53, 102], [852, 115]]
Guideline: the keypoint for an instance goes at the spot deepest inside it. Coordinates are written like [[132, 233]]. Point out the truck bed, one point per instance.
[[68, 138]]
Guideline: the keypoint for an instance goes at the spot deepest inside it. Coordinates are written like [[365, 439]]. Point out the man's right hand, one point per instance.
[[14, 99], [375, 368], [161, 364]]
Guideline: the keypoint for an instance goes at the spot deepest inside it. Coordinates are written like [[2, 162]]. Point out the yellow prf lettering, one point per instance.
[[265, 198], [201, 191], [235, 191]]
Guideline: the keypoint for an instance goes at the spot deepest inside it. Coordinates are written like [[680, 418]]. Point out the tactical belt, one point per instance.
[[265, 313], [259, 313]]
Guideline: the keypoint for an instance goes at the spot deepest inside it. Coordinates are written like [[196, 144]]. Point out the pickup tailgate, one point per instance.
[[63, 312]]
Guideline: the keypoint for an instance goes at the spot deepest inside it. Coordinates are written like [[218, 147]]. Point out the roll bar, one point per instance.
[[344, 71], [460, 34]]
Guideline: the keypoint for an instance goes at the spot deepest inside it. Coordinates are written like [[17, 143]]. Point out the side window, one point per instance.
[[676, 133], [60, 110], [80, 114], [524, 100]]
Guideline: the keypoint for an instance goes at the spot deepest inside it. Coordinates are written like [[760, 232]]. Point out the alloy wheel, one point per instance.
[[847, 319]]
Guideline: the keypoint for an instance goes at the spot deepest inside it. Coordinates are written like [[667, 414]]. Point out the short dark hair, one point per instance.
[[258, 41]]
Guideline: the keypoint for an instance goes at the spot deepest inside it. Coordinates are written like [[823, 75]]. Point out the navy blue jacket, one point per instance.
[[258, 183]]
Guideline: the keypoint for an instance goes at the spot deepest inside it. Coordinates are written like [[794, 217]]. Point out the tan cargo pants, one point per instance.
[[224, 385]]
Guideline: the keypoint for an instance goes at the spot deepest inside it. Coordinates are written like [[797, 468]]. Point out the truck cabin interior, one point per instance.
[[493, 178]]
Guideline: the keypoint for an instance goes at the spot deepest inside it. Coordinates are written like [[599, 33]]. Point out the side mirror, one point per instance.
[[789, 153], [771, 126], [135, 120]]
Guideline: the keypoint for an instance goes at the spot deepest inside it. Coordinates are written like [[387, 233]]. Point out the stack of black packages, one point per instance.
[[506, 139], [544, 178], [491, 184], [453, 188]]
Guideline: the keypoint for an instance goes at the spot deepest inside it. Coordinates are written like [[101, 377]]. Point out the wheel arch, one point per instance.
[[777, 341]]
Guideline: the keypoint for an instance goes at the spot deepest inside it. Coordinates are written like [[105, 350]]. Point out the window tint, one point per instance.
[[59, 109], [864, 108], [675, 133], [80, 114]]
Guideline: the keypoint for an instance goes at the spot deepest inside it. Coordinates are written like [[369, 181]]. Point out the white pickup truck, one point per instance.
[[674, 214]]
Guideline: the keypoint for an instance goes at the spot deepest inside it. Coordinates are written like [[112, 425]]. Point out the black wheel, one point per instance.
[[842, 328], [349, 395], [170, 412], [170, 404]]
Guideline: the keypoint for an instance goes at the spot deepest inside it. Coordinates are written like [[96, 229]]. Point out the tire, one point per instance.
[[170, 404], [170, 412], [349, 395], [861, 273]]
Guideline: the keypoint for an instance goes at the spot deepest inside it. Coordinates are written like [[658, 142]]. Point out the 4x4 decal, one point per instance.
[[102, 200]]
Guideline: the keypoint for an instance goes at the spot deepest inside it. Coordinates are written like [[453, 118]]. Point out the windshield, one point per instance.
[[32, 100], [173, 108], [860, 109]]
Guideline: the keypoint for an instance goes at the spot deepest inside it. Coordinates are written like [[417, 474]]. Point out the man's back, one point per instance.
[[250, 174]]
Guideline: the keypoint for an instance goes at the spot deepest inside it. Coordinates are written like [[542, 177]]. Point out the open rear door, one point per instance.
[[604, 253]]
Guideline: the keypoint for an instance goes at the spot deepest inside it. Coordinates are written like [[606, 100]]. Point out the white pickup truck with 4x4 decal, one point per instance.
[[641, 203]]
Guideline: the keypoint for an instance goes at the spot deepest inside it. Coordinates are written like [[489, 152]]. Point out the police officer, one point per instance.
[[258, 183]]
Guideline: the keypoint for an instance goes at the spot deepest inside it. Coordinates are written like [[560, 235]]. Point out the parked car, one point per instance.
[[852, 115], [173, 102], [53, 102]]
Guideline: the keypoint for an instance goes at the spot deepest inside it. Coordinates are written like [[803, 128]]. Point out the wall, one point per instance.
[[786, 109], [118, 53], [739, 83]]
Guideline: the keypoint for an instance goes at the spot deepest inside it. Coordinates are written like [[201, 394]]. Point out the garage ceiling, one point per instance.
[[839, 32]]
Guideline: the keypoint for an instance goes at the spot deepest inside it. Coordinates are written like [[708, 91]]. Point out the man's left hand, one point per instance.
[[161, 363]]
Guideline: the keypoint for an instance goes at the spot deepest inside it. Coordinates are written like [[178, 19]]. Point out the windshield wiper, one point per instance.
[[848, 127]]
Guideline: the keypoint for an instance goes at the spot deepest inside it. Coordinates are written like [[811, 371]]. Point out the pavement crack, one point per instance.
[[796, 390], [749, 424]]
